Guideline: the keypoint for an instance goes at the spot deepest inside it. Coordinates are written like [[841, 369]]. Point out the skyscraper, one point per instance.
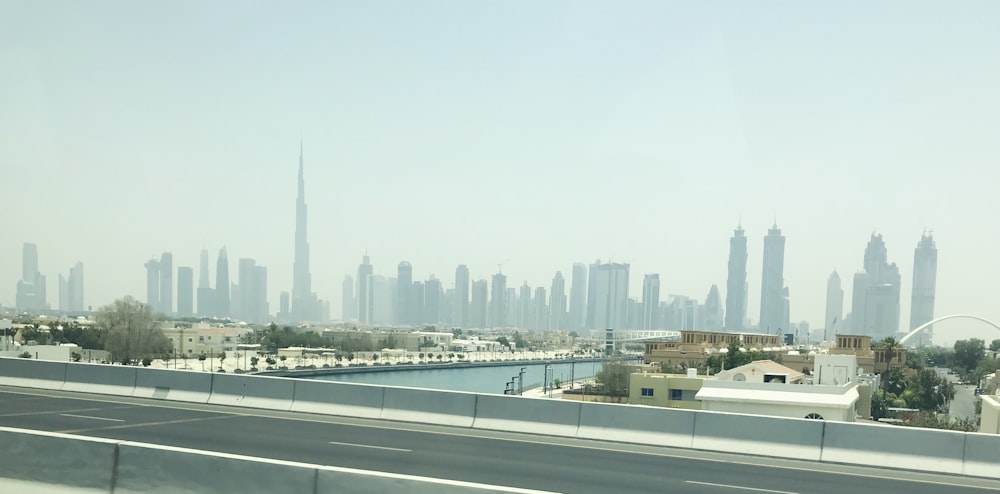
[[153, 283], [76, 287], [432, 301], [206, 295], [404, 294], [589, 319], [348, 304], [222, 301], [713, 310], [557, 303], [875, 310], [609, 282], [478, 304], [31, 288], [651, 302], [539, 311], [383, 299], [736, 284], [63, 293], [498, 302], [305, 305], [524, 307], [578, 297], [167, 283], [924, 285], [365, 295], [461, 303], [248, 304], [185, 291], [834, 306], [772, 283]]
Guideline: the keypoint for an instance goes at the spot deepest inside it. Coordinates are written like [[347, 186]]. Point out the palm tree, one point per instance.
[[889, 346]]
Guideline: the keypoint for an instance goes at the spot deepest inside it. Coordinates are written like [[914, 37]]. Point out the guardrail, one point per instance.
[[33, 461], [832, 442]]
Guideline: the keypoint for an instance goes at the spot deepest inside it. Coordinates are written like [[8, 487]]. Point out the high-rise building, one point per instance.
[[76, 287], [63, 293], [772, 284], [203, 281], [365, 295], [167, 283], [498, 302], [284, 304], [206, 295], [609, 282], [383, 299], [153, 283], [185, 291], [539, 311], [557, 303], [305, 305], [650, 302], [834, 306], [524, 307], [714, 320], [510, 301], [461, 300], [404, 294], [348, 303], [875, 310], [222, 300], [590, 319], [578, 297], [736, 284], [31, 288], [432, 301], [249, 297], [417, 302], [479, 301], [924, 285]]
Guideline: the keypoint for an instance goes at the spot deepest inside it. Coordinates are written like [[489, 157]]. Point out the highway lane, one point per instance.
[[537, 462]]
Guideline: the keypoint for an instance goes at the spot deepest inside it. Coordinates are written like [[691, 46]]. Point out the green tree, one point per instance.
[[421, 356], [440, 356], [146, 361], [25, 355], [75, 356], [201, 358], [613, 377], [995, 346], [132, 331], [253, 361], [503, 341], [968, 353]]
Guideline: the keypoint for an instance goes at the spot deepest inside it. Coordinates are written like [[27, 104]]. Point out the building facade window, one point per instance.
[[676, 394], [647, 392]]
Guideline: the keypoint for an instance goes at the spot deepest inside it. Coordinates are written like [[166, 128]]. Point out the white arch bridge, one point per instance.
[[945, 318]]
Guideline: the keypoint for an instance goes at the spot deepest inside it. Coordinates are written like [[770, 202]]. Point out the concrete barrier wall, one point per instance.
[[33, 461], [149, 469], [30, 373], [100, 378], [428, 406], [272, 393], [333, 398], [174, 385], [528, 415], [982, 455], [896, 447], [637, 424], [66, 463], [758, 435]]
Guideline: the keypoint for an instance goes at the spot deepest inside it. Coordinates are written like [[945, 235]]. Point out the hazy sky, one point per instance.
[[532, 134]]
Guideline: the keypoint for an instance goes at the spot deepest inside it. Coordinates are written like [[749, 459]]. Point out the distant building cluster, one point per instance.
[[595, 297]]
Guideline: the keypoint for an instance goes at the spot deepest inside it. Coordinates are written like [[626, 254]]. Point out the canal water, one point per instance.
[[473, 379]]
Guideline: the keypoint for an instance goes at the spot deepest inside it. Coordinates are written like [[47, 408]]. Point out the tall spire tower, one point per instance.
[[303, 301]]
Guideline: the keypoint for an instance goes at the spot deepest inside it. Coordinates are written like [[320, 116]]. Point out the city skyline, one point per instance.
[[637, 136]]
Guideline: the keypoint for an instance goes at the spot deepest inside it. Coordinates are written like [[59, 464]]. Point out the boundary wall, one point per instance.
[[831, 442]]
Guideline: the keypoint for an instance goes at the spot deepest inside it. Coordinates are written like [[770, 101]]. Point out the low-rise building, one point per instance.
[[665, 390], [836, 403]]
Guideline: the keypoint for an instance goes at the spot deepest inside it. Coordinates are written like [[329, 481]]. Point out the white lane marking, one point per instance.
[[737, 487], [372, 447], [89, 417]]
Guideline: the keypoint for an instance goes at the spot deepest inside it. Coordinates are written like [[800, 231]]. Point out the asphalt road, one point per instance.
[[963, 406], [518, 460]]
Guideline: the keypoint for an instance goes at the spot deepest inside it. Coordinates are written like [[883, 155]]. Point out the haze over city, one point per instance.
[[528, 136]]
